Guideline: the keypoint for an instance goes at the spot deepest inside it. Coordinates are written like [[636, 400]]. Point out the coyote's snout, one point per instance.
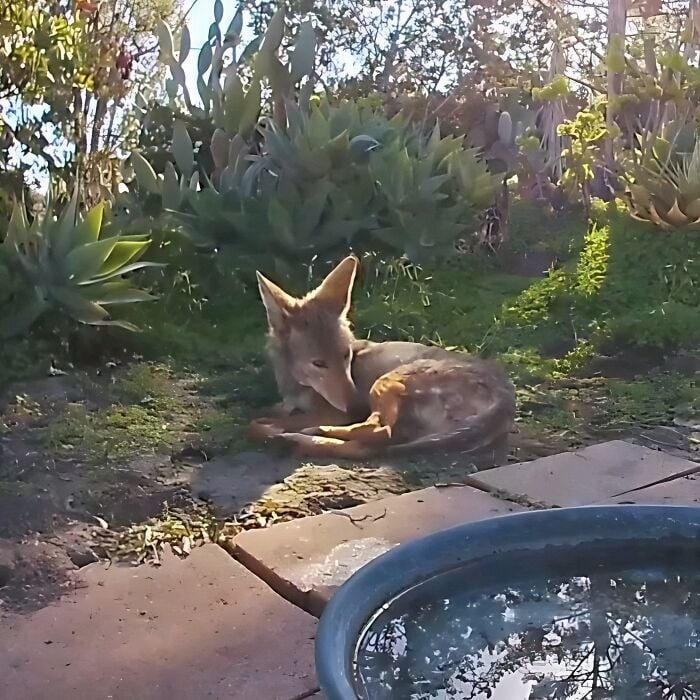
[[352, 398]]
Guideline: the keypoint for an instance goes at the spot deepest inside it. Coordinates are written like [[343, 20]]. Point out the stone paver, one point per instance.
[[680, 492], [196, 629], [306, 560], [593, 474]]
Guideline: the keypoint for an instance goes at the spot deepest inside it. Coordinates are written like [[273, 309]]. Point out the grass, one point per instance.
[[198, 369], [197, 372]]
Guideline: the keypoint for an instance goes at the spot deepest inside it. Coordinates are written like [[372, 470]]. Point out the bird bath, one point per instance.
[[599, 601]]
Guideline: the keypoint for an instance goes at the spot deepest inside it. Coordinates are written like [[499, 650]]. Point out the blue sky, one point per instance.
[[198, 22]]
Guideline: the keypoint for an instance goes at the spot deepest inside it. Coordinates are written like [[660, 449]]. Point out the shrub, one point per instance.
[[73, 264], [309, 178], [630, 286]]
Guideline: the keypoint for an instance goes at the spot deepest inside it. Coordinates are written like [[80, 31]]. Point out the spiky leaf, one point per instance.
[[251, 107], [183, 150], [119, 292], [88, 230], [85, 261], [62, 233], [122, 253], [171, 187], [145, 175]]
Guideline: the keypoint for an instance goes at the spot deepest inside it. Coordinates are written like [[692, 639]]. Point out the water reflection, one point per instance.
[[596, 637]]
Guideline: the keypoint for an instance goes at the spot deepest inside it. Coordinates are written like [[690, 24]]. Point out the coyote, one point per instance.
[[345, 397]]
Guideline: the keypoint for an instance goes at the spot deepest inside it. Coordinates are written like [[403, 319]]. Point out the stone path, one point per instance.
[[241, 627]]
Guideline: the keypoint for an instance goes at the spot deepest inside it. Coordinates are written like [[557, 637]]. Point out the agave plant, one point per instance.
[[71, 263], [664, 186]]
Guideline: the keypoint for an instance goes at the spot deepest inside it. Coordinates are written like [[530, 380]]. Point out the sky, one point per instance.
[[198, 21]]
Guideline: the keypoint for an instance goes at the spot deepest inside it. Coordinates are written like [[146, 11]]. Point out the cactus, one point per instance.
[[305, 177]]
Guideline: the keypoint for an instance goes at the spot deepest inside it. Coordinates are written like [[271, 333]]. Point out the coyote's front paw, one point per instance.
[[302, 444], [262, 429]]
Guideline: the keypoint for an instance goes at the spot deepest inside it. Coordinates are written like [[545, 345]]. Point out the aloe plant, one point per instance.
[[70, 263], [318, 176], [663, 184]]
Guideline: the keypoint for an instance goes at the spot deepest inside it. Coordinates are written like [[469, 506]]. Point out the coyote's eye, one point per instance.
[[320, 364]]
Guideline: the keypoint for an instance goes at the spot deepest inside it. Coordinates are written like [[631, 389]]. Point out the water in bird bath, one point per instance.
[[589, 622]]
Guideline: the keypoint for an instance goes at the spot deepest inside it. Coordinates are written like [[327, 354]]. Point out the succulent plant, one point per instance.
[[302, 176], [72, 263], [664, 185], [432, 190]]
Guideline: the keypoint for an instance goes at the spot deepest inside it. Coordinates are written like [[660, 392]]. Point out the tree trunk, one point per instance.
[[617, 20]]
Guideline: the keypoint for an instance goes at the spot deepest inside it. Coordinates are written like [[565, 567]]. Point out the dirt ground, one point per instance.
[[113, 463]]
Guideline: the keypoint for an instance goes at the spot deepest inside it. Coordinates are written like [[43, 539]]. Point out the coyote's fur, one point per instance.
[[344, 397]]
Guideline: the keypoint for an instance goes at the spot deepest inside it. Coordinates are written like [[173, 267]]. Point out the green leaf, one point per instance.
[[274, 33], [251, 107], [171, 188], [234, 101], [185, 44], [204, 59], [319, 131], [432, 184], [119, 292], [17, 230], [145, 175], [88, 230], [171, 88], [302, 61], [85, 261], [205, 92], [117, 323], [122, 253], [183, 150], [165, 40], [178, 73], [236, 27], [218, 11], [281, 223], [64, 230], [278, 75], [131, 267], [22, 319], [77, 306]]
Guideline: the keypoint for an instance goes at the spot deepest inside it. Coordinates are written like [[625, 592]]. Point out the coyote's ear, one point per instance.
[[277, 302], [336, 290]]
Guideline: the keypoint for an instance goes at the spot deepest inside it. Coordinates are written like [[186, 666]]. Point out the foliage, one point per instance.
[[629, 287], [664, 184], [409, 46], [71, 263], [41, 50], [586, 133], [315, 177], [72, 72]]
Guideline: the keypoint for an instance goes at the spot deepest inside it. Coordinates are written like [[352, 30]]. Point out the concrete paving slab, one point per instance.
[[204, 627], [306, 560], [586, 476], [680, 492]]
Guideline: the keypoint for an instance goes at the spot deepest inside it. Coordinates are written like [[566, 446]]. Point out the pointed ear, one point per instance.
[[336, 290], [277, 302]]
